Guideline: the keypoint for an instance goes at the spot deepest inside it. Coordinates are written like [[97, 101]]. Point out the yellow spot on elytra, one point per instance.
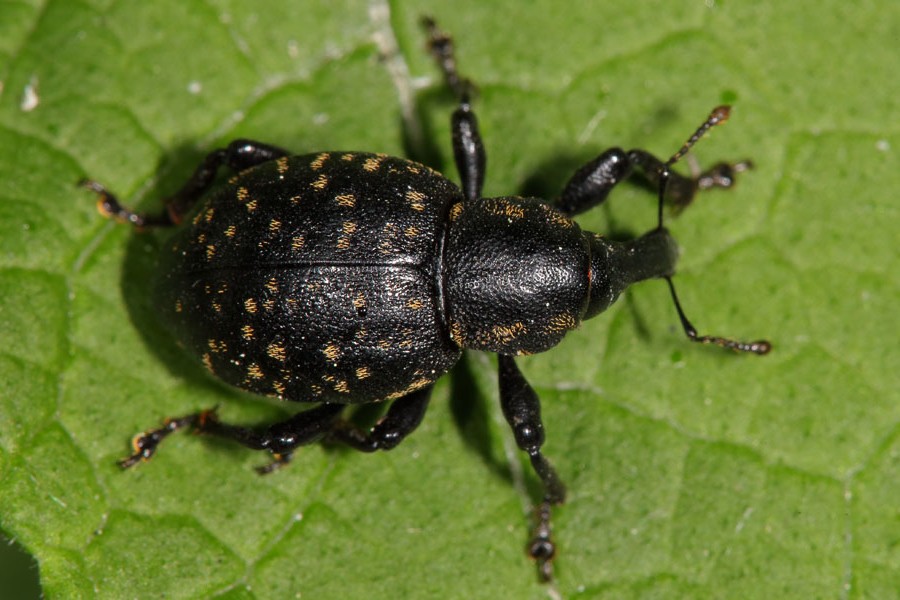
[[363, 372], [250, 305], [282, 164], [217, 346], [178, 306], [360, 301], [268, 304], [296, 199], [361, 333], [415, 199], [320, 183], [413, 169], [201, 239], [278, 387], [349, 227], [216, 306], [272, 285], [456, 333], [247, 332], [371, 165], [384, 345], [277, 351], [316, 389], [254, 372], [347, 200], [342, 387], [456, 210], [274, 226], [243, 194], [210, 251], [208, 215], [234, 179], [207, 362], [411, 231], [331, 352], [415, 304], [318, 161], [230, 231], [343, 243], [297, 242], [251, 206], [347, 157], [415, 385]]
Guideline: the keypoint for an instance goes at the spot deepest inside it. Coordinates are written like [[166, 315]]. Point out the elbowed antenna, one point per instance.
[[718, 116]]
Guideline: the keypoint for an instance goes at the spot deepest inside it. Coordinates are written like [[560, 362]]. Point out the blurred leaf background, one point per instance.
[[692, 473]]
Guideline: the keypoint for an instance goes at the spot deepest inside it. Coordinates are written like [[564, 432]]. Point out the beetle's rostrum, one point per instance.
[[342, 278]]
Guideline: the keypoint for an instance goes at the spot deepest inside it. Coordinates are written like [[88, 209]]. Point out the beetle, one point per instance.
[[341, 278]]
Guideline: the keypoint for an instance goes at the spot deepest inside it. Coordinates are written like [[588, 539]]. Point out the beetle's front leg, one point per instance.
[[592, 183], [468, 148], [238, 155], [522, 410]]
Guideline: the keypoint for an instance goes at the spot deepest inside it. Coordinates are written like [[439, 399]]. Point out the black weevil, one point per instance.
[[344, 278]]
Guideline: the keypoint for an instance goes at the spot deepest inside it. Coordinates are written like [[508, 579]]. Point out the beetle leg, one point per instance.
[[402, 418], [522, 410], [592, 183], [468, 148], [281, 438], [238, 155]]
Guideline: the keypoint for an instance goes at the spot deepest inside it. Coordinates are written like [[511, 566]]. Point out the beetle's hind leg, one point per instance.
[[283, 437], [468, 148], [237, 156]]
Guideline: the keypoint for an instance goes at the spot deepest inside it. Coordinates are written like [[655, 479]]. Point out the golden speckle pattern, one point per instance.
[[456, 210], [318, 161], [561, 322], [415, 385], [281, 164], [272, 285], [297, 242], [349, 227], [415, 304], [207, 362], [332, 352], [217, 346], [250, 306], [243, 195], [210, 251], [506, 209], [254, 372], [346, 200], [363, 372], [372, 163], [251, 206], [277, 351], [279, 388], [347, 157], [359, 302], [416, 200], [247, 332], [320, 182], [274, 226], [230, 231], [341, 387], [178, 306], [268, 304]]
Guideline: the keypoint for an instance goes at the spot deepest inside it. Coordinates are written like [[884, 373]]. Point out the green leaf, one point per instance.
[[691, 472]]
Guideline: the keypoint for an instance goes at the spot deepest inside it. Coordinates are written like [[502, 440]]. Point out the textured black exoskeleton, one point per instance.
[[343, 278]]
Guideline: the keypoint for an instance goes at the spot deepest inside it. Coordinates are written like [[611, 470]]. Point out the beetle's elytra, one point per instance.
[[341, 278]]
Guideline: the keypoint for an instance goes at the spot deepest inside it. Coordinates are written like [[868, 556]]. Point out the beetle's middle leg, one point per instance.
[[522, 410], [238, 155], [468, 149]]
